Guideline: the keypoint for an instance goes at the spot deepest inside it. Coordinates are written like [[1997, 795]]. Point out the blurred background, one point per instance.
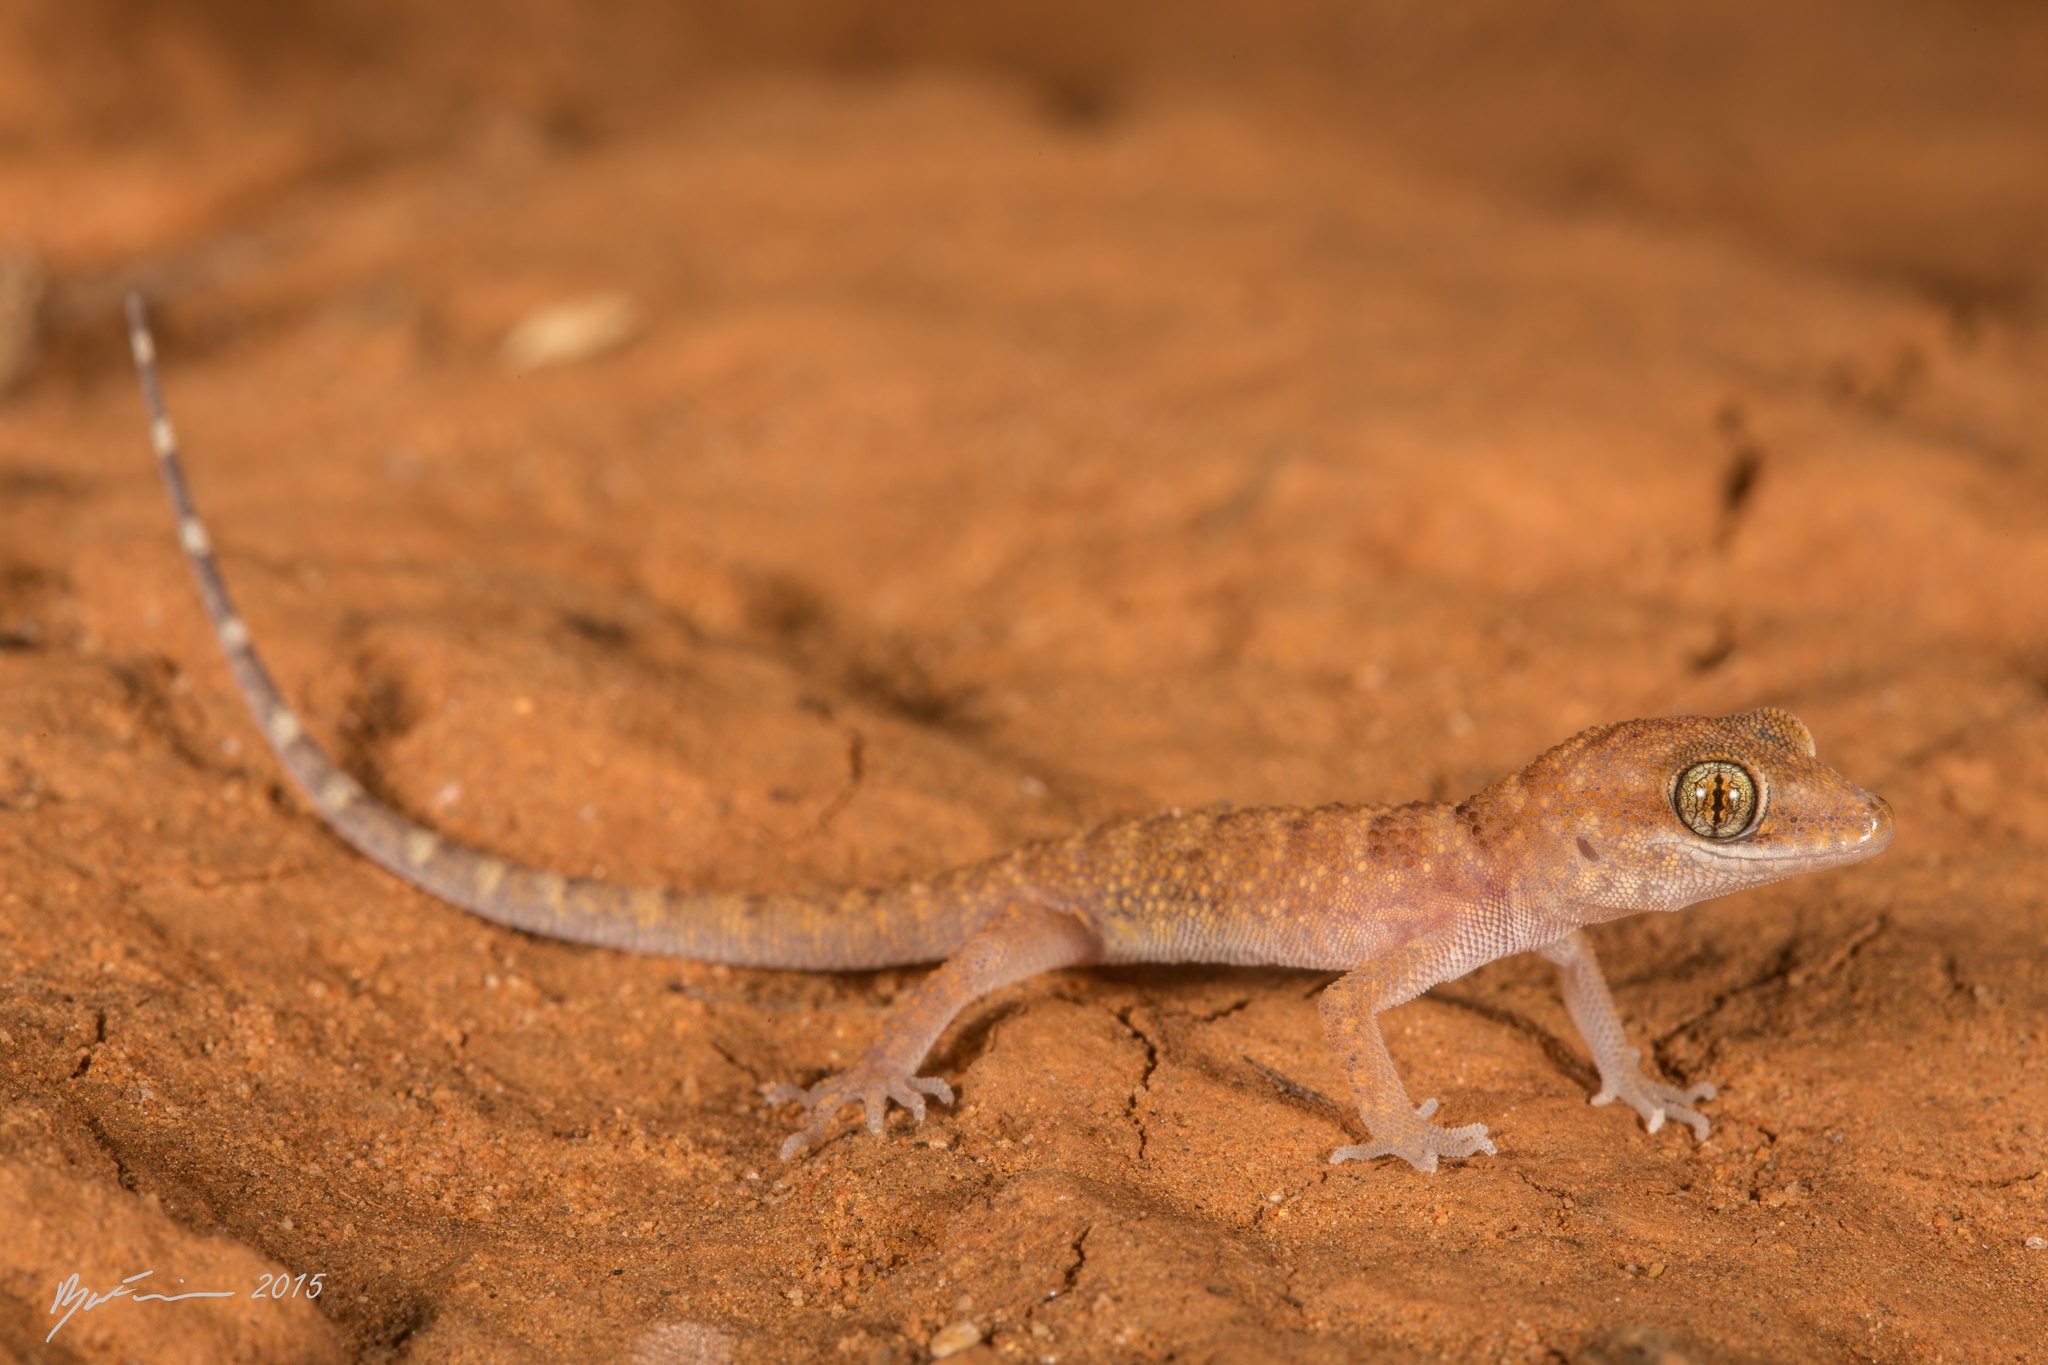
[[1901, 140]]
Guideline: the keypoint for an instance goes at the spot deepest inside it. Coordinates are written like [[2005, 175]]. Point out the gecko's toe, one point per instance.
[[1416, 1140], [820, 1102], [1682, 1109], [1372, 1151], [910, 1092], [933, 1086], [782, 1092], [866, 1085], [1656, 1102], [799, 1142]]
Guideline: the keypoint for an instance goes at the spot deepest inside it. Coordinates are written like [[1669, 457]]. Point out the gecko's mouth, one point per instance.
[[1795, 859], [1875, 838]]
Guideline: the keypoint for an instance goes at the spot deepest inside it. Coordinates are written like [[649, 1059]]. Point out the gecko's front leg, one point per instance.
[[1398, 1126], [1621, 1072], [1022, 941]]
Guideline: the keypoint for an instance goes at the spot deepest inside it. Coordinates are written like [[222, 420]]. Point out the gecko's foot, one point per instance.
[[1656, 1101], [869, 1086], [1416, 1140]]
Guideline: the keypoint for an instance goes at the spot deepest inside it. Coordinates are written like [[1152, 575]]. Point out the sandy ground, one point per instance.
[[1009, 424]]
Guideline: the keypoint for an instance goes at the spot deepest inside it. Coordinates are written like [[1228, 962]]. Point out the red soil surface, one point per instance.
[[1030, 418]]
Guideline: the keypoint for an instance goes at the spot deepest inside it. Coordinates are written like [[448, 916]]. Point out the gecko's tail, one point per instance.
[[918, 922]]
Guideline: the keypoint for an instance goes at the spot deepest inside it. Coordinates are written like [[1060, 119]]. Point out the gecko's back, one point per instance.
[[1324, 887]]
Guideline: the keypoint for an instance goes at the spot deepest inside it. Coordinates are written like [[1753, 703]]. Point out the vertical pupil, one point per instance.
[[1716, 799]]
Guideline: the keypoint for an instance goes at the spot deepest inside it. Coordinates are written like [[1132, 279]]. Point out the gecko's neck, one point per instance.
[[1524, 844]]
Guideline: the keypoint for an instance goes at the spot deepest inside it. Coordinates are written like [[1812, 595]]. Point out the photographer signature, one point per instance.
[[73, 1296]]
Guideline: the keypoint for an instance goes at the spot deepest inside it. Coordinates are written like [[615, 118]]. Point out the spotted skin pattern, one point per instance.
[[1398, 898]]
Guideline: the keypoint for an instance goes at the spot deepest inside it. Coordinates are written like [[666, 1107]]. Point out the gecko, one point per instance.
[[1643, 815]]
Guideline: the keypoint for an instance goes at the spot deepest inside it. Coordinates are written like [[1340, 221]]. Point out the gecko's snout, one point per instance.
[[1860, 828], [1879, 836]]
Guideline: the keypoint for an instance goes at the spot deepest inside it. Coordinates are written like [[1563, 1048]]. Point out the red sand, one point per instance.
[[1027, 423]]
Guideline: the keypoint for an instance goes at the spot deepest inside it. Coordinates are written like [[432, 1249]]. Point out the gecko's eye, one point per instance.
[[1716, 799]]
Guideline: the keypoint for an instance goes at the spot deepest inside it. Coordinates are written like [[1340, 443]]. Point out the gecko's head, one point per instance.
[[1659, 814]]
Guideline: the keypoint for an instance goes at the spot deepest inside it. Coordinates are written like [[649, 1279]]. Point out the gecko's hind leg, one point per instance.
[[1022, 941]]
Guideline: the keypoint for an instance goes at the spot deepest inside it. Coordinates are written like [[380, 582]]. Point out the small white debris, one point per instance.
[[683, 1343], [954, 1338], [2037, 1242], [568, 332]]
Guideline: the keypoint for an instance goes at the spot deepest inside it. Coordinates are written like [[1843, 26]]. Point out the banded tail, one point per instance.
[[844, 931]]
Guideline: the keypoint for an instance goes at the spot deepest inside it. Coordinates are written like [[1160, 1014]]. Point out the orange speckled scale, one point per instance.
[[1643, 815]]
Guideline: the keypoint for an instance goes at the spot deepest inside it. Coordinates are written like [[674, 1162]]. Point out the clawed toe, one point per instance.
[[909, 1092], [1416, 1140], [1656, 1102], [824, 1100]]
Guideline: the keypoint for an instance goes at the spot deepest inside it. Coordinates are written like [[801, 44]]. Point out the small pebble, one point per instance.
[[954, 1338], [2036, 1243], [569, 332]]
